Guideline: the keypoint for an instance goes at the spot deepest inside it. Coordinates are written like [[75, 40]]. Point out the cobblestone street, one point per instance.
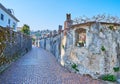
[[40, 67]]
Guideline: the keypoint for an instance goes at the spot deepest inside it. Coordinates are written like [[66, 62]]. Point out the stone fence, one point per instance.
[[53, 45], [99, 56], [12, 45]]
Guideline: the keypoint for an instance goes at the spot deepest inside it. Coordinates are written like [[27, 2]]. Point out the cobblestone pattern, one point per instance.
[[41, 67]]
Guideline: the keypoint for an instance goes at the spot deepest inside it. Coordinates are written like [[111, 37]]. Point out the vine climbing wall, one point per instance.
[[13, 45]]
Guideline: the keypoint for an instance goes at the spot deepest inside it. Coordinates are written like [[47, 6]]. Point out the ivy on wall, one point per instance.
[[12, 40], [4, 37]]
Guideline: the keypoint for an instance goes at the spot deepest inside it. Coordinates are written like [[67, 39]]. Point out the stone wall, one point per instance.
[[99, 56], [91, 59], [12, 45], [53, 45]]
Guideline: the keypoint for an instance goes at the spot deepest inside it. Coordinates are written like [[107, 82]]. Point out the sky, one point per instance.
[[48, 14]]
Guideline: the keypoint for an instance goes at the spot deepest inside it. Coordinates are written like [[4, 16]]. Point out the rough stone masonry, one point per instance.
[[100, 53], [12, 45], [94, 47]]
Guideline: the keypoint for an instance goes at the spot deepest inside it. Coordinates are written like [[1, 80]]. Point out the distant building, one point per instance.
[[7, 19], [54, 32], [59, 29], [19, 29]]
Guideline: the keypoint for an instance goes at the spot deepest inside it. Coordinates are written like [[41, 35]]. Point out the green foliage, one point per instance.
[[3, 60], [25, 29], [103, 48], [109, 77], [101, 30], [111, 27], [116, 69], [33, 39], [4, 37], [74, 66], [63, 46]]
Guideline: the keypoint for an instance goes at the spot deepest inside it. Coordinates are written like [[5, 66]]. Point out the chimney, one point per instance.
[[67, 23], [9, 11], [68, 17], [60, 29]]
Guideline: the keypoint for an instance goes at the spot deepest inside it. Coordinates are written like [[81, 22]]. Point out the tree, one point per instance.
[[97, 18], [25, 29]]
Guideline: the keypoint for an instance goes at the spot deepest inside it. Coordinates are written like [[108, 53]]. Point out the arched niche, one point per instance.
[[80, 37]]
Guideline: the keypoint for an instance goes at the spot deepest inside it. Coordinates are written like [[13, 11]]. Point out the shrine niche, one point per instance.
[[80, 37]]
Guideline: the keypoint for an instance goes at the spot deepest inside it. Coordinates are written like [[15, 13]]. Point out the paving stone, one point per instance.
[[40, 67]]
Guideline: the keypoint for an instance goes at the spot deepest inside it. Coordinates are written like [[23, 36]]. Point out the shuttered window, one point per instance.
[[2, 17]]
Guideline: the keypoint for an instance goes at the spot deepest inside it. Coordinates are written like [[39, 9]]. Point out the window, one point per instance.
[[2, 17], [8, 21], [14, 25]]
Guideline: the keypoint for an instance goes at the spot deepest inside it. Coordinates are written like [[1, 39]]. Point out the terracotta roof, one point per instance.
[[3, 8], [92, 22]]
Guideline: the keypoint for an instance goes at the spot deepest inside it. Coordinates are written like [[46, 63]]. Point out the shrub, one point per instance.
[[116, 69], [74, 66], [101, 30], [109, 77], [63, 46], [3, 60], [111, 27], [103, 48]]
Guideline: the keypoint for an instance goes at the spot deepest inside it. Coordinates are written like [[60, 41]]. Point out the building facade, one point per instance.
[[7, 19]]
